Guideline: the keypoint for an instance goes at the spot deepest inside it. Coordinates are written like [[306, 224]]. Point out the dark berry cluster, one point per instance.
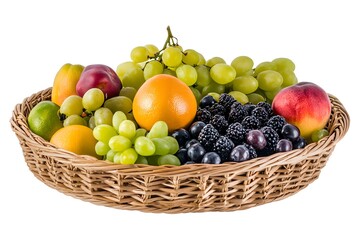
[[227, 131]]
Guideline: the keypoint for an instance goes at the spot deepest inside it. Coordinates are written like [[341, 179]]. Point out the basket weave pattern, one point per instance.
[[175, 189]]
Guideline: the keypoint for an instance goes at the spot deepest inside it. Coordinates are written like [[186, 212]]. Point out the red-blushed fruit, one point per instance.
[[99, 76], [305, 105]]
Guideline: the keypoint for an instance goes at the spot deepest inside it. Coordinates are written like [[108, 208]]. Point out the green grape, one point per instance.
[[104, 132], [117, 118], [119, 103], [222, 73], [269, 80], [91, 122], [173, 143], [168, 159], [128, 156], [133, 78], [153, 160], [289, 78], [172, 56], [140, 132], [93, 99], [169, 72], [271, 94], [284, 64], [119, 143], [72, 105], [245, 84], [319, 134], [110, 155], [187, 74], [130, 116], [213, 87], [162, 147], [196, 93], [239, 96], [141, 160], [74, 120], [129, 92], [255, 98], [153, 68], [215, 95], [242, 65], [144, 146], [190, 57], [139, 54], [127, 129], [203, 75], [158, 130], [213, 61], [263, 67], [125, 67], [202, 60], [152, 50], [101, 148], [103, 116]]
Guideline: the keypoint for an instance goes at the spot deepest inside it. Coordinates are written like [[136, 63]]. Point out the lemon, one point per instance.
[[44, 120]]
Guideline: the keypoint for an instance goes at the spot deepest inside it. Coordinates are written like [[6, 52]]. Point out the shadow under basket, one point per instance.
[[176, 189]]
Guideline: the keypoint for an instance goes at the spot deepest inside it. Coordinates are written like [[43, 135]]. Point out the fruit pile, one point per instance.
[[173, 107]]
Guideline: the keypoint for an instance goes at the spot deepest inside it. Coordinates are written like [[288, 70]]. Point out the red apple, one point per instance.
[[99, 76], [305, 105]]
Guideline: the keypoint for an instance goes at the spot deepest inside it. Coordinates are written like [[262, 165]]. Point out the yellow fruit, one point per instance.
[[78, 139], [65, 82], [164, 98], [44, 120]]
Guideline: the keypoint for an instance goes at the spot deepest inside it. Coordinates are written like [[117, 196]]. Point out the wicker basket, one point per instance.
[[176, 189]]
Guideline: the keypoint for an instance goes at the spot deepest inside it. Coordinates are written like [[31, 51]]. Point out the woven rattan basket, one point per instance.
[[176, 189]]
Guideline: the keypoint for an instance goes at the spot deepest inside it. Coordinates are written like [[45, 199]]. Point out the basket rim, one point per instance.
[[338, 126]]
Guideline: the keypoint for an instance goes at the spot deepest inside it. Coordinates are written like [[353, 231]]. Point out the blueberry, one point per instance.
[[284, 145], [299, 143], [196, 152], [195, 128], [182, 155], [239, 153], [182, 136], [207, 101], [211, 158], [290, 132], [191, 142]]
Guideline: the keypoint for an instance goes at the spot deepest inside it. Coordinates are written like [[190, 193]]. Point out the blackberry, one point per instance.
[[236, 133], [226, 100], [272, 138], [261, 114], [203, 115], [208, 137], [217, 109], [276, 122], [237, 113], [252, 151], [267, 107], [220, 123], [223, 147], [250, 122], [248, 107]]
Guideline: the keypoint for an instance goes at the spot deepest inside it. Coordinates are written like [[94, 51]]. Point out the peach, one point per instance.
[[305, 105], [65, 82]]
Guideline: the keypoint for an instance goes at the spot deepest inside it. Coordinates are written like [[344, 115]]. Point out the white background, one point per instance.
[[38, 37]]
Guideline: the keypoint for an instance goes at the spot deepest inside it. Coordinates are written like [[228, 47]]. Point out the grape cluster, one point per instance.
[[240, 78], [237, 133]]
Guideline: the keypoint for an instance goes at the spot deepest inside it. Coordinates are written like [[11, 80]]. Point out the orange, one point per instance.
[[65, 82], [44, 120], [78, 139], [164, 98]]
